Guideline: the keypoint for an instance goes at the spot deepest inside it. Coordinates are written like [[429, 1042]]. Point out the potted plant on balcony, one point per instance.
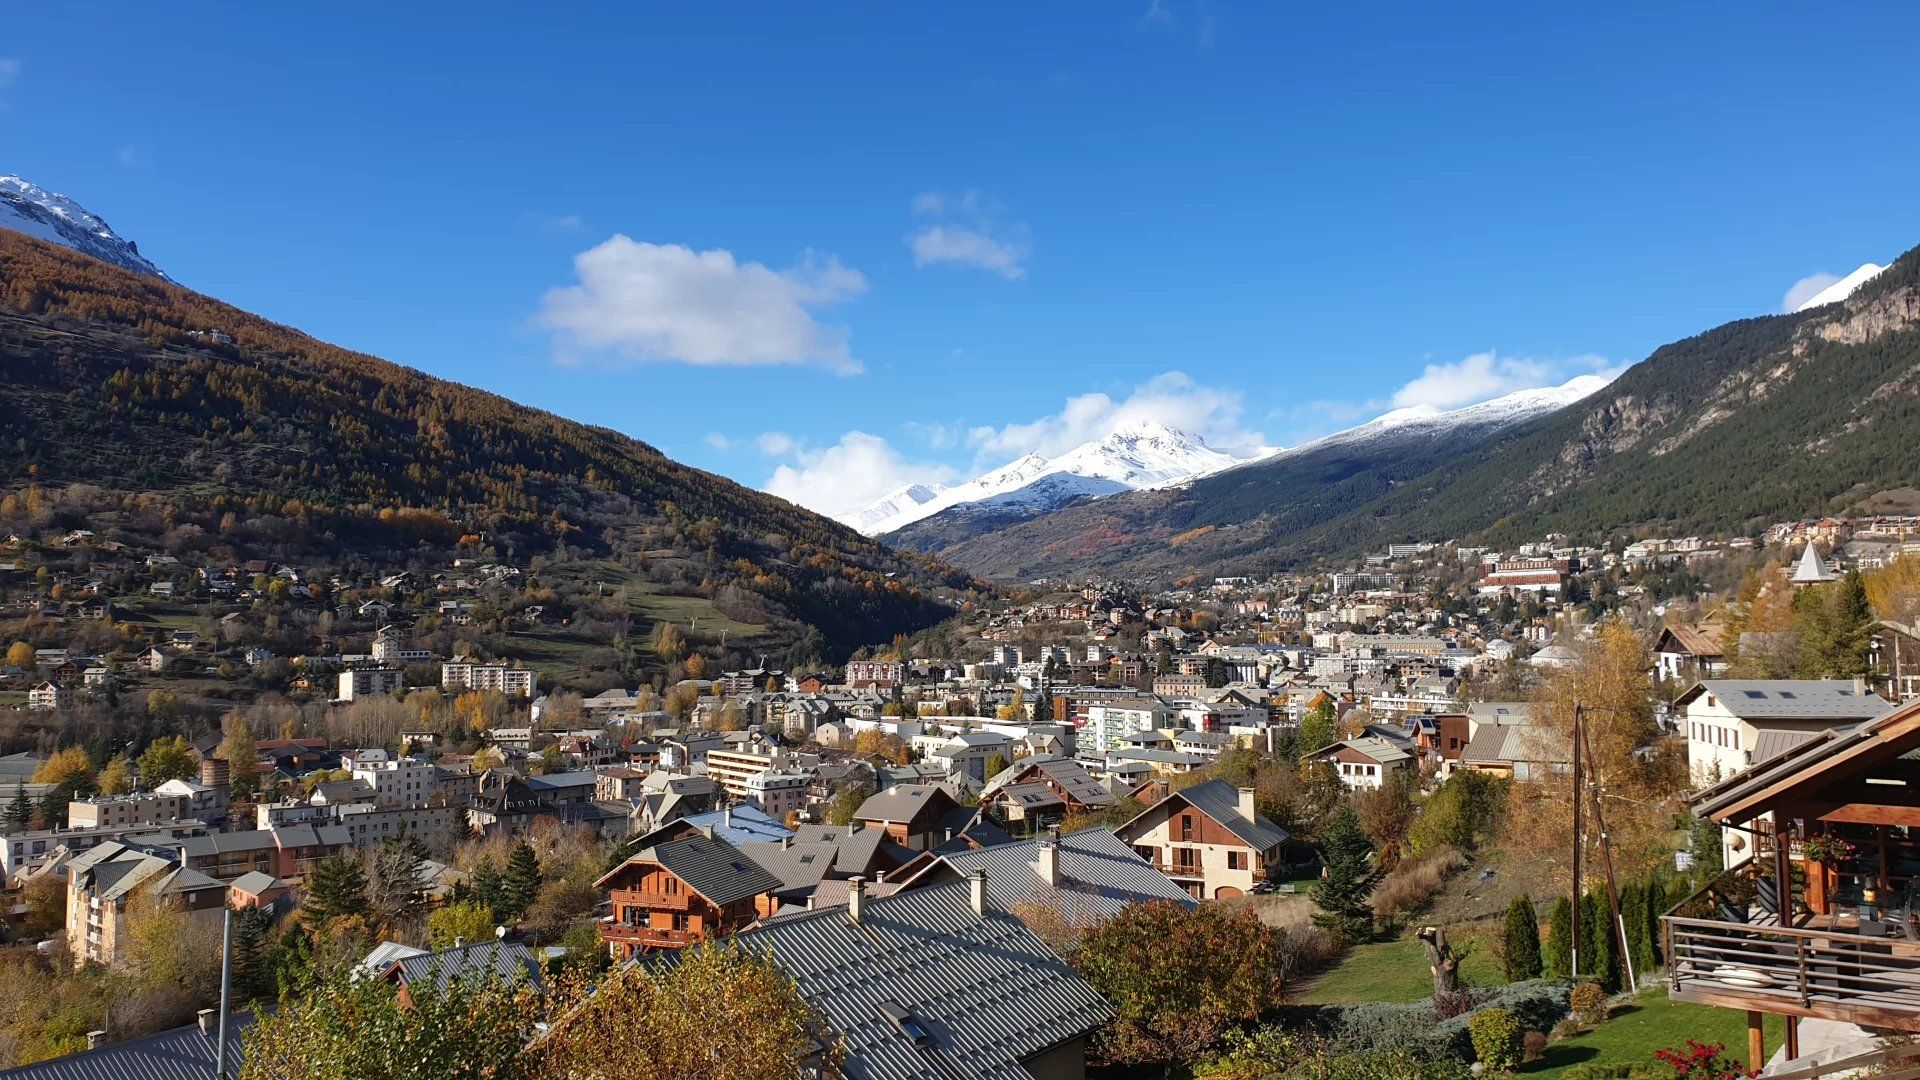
[[1826, 849]]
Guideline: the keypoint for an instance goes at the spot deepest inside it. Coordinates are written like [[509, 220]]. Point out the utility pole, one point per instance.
[[1573, 947], [1613, 886], [226, 982]]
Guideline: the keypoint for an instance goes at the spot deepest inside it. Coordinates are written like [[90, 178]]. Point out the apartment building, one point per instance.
[[367, 681], [398, 782], [107, 884], [466, 675]]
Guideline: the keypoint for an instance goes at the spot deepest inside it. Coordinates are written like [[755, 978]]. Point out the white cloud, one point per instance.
[[9, 70], [975, 234], [1806, 289], [718, 441], [666, 302], [132, 157], [1156, 14], [1476, 378], [776, 443], [967, 247], [850, 474], [1171, 398]]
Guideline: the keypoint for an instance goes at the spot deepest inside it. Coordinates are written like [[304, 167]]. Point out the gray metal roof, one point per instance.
[[713, 868], [900, 803], [1220, 801], [1099, 875], [1792, 699], [985, 990], [509, 961], [184, 1053]]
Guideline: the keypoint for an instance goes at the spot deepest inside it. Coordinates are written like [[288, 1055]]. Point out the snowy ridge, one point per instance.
[[1132, 457], [1843, 288], [51, 216], [1422, 420]]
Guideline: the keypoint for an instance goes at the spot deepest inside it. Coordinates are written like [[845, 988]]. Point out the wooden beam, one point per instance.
[[1756, 1040], [1895, 734]]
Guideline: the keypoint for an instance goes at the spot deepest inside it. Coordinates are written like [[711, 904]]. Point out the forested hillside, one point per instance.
[[278, 442], [1767, 418]]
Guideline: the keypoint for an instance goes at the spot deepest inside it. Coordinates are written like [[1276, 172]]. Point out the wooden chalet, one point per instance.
[[683, 892], [1824, 921]]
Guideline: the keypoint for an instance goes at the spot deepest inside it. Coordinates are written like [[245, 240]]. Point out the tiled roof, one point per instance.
[[184, 1053], [982, 991]]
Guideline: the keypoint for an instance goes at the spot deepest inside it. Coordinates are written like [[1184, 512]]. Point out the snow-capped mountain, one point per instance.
[[1132, 457], [49, 215], [1843, 288], [1426, 419]]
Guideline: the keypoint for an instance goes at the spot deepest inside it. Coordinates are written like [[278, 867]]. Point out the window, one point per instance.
[[680, 922], [1186, 826], [1236, 860]]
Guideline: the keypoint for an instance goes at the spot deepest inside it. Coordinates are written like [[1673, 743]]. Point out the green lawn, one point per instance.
[[1651, 1022], [1393, 971]]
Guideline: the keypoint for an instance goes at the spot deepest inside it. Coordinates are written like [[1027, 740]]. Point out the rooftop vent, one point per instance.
[[909, 1024]]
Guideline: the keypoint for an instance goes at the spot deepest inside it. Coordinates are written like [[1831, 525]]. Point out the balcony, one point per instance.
[[647, 937], [1192, 871]]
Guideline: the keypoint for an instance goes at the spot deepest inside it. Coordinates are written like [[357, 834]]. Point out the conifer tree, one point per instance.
[[1599, 953], [520, 885], [337, 887], [1523, 940], [20, 810], [1653, 904], [1559, 952], [1343, 895]]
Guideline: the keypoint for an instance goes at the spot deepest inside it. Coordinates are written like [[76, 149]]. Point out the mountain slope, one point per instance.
[[48, 215], [1133, 457], [112, 379], [1288, 490], [1841, 289]]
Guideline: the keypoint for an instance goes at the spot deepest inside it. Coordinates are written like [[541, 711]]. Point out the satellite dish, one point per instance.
[[500, 932]]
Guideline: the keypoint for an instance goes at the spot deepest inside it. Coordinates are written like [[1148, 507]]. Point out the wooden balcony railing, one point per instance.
[[1178, 869], [1831, 973], [648, 937]]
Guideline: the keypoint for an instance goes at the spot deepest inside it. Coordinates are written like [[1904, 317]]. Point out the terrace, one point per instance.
[[1824, 921]]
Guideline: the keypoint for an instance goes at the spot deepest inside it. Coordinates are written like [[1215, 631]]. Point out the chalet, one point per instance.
[[1896, 656], [1209, 839], [1689, 653], [1724, 718], [1838, 812], [683, 892], [47, 695], [915, 816], [1364, 762], [1516, 750], [1040, 789]]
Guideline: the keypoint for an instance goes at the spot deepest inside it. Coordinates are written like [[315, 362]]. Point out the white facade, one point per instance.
[[357, 683], [404, 782], [460, 675]]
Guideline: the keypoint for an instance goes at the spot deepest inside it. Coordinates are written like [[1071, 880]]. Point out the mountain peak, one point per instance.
[[1843, 288], [48, 215]]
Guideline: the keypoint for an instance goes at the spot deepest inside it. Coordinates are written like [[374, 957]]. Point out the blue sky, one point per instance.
[[869, 243]]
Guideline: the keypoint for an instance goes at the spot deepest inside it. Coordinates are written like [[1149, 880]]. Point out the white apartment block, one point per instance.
[[397, 783], [364, 682], [779, 794], [462, 675], [1109, 723]]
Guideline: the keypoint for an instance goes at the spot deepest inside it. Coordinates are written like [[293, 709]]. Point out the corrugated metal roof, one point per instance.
[[509, 961], [1099, 875], [985, 989], [185, 1053], [1792, 699]]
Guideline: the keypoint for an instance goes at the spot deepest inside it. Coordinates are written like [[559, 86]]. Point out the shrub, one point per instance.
[[1533, 1046], [1588, 1000], [1414, 882], [1640, 1071], [1701, 1061], [1496, 1038], [1522, 941], [1559, 952]]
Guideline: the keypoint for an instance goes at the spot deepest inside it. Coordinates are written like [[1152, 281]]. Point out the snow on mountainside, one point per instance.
[[1843, 288], [51, 216], [1426, 419], [1130, 458]]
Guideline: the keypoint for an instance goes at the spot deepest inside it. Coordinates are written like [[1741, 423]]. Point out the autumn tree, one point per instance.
[[20, 655], [846, 802], [717, 1013], [1316, 728], [395, 882], [1178, 977], [682, 698], [459, 921], [668, 644], [167, 759], [117, 777], [348, 1028], [242, 754]]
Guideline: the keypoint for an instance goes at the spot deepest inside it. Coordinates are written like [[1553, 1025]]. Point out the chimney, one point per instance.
[[98, 1039], [1246, 804], [856, 897], [786, 842], [726, 816], [1860, 684], [979, 883], [1050, 857], [209, 1019]]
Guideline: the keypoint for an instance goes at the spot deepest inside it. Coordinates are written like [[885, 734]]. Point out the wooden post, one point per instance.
[[1756, 1040], [1793, 1037], [1573, 949], [1613, 886]]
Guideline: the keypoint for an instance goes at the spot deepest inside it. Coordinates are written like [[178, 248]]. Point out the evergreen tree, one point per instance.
[[520, 885], [337, 887], [1633, 912], [1316, 729], [1523, 940], [484, 888], [1343, 894], [1599, 956], [1703, 843], [1653, 904], [20, 810], [1559, 952], [1851, 626], [1043, 705], [252, 962]]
